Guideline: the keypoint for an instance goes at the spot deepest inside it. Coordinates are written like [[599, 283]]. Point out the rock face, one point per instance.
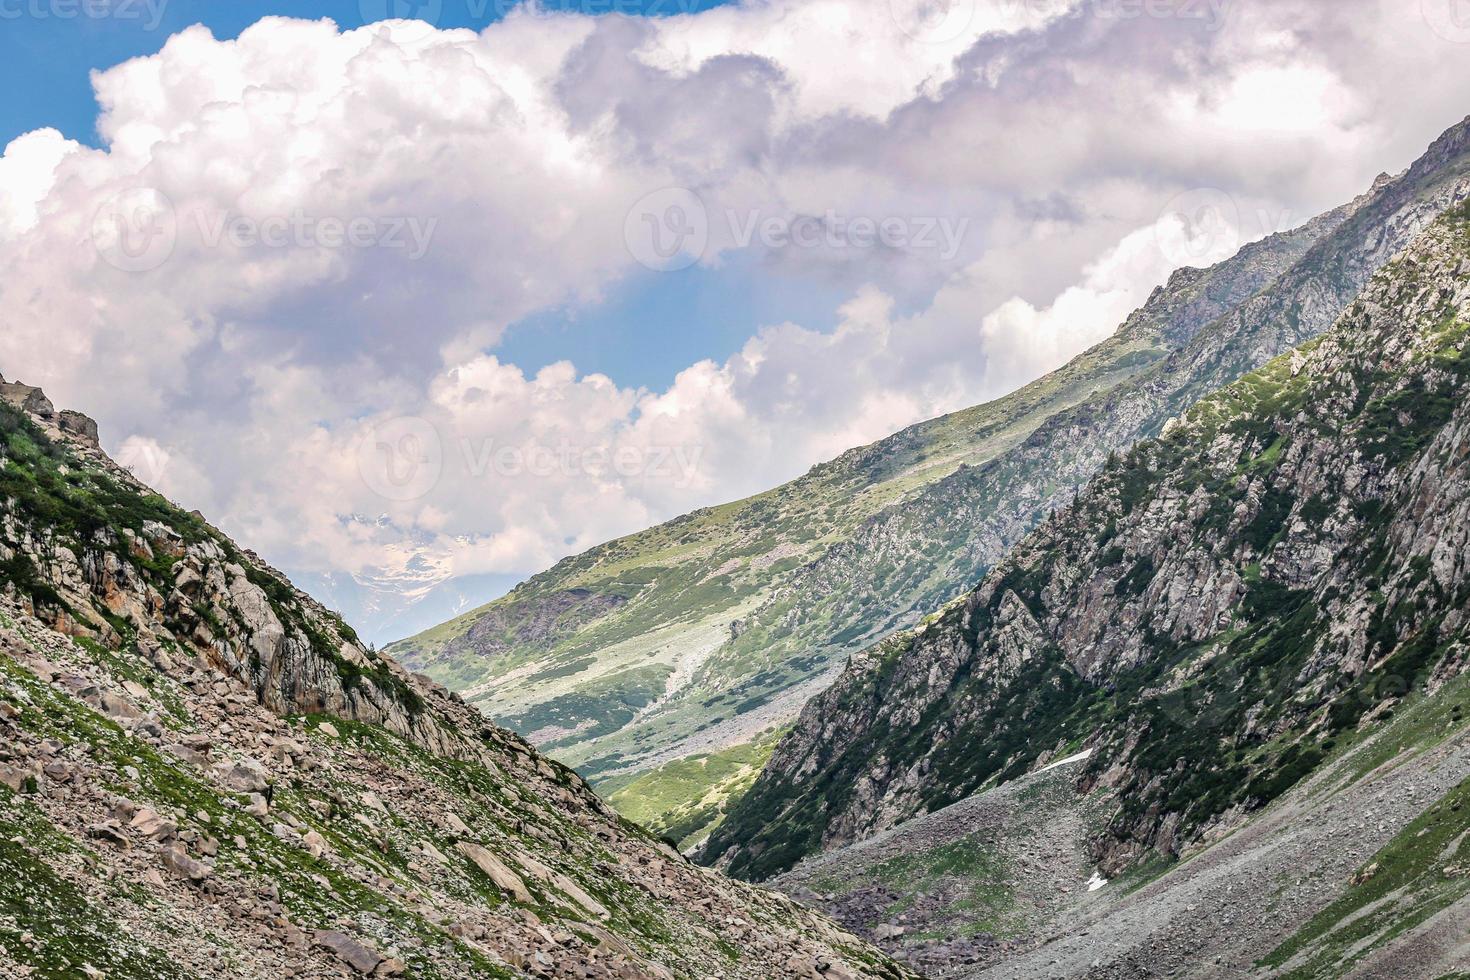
[[1215, 616], [26, 398], [757, 605], [204, 773]]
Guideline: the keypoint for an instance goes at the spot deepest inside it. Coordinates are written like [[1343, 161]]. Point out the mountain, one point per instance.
[[705, 635], [203, 773], [628, 625], [1256, 631]]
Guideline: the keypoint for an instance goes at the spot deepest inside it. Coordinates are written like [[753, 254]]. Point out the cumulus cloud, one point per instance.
[[282, 282]]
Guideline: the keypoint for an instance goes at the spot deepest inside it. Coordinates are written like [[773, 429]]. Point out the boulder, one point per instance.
[[504, 878], [150, 824], [348, 950], [242, 777], [80, 426], [178, 863]]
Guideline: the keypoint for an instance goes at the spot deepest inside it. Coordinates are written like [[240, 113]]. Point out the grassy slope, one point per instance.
[[687, 580], [656, 671], [1192, 699], [685, 800], [70, 901]]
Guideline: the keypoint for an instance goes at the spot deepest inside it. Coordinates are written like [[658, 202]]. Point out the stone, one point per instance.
[[348, 950], [563, 884], [316, 844], [504, 878], [178, 863], [79, 425], [328, 729], [150, 824], [116, 707], [185, 754], [242, 777], [12, 777], [110, 832]]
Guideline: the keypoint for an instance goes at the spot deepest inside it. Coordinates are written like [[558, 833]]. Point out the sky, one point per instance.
[[416, 297]]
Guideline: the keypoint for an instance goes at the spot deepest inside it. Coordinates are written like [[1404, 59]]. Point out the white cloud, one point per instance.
[[256, 331]]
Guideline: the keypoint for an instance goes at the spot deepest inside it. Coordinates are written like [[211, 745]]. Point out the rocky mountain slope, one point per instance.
[[706, 634], [1359, 870], [1220, 613], [204, 774], [971, 885], [594, 658]]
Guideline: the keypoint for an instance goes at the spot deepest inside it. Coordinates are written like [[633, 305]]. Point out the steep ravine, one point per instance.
[[909, 560], [1216, 615], [712, 630]]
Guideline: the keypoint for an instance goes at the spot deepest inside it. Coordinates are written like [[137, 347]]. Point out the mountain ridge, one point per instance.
[[1190, 297], [691, 662], [1212, 618], [204, 773]]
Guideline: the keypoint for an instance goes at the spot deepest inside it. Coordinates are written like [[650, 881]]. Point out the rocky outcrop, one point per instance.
[[28, 399], [204, 773], [909, 560], [1213, 616], [758, 604]]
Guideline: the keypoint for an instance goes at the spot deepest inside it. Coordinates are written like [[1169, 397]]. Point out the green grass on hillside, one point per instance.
[[686, 799]]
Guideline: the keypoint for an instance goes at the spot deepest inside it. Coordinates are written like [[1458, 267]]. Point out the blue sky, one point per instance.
[[641, 335], [48, 47]]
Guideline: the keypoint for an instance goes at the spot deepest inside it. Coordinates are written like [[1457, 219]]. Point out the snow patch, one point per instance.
[[1079, 757], [1096, 881]]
